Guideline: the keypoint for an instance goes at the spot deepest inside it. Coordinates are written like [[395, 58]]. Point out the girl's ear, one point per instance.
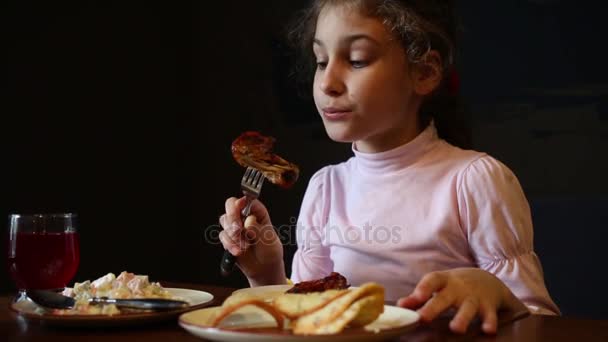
[[427, 73]]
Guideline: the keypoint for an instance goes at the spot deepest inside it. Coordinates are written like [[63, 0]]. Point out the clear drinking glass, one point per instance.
[[43, 250]]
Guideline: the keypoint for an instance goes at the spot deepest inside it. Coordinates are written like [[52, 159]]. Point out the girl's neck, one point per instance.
[[388, 140]]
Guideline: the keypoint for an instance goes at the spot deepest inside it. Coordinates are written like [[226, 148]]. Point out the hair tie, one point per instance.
[[453, 82]]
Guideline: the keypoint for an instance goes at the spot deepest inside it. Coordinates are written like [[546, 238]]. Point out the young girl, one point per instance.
[[439, 226]]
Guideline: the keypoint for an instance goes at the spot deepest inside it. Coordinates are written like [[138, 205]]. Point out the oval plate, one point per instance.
[[32, 312], [252, 324]]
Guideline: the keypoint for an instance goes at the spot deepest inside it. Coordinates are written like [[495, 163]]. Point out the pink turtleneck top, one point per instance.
[[394, 216]]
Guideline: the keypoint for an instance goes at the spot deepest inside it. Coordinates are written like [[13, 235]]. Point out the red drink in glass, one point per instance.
[[43, 250], [43, 260]]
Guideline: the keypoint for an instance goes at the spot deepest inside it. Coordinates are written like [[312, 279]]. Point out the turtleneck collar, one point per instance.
[[399, 157]]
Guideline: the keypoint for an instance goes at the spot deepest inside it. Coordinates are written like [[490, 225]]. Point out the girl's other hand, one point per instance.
[[471, 291], [254, 242]]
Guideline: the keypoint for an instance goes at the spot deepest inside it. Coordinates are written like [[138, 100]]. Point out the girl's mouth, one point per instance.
[[335, 114]]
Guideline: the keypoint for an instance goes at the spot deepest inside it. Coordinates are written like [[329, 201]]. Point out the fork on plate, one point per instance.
[[251, 185]]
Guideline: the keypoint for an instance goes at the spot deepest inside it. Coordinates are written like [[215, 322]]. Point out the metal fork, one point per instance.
[[251, 185]]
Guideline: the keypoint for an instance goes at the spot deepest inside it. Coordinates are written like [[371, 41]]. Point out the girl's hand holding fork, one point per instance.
[[254, 242]]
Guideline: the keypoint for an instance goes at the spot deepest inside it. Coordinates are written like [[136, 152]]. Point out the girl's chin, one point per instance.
[[342, 136]]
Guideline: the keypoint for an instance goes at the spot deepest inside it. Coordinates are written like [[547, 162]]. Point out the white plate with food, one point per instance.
[[352, 314], [253, 324], [135, 286]]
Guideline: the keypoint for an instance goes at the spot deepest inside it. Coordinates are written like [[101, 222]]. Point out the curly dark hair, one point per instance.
[[420, 26]]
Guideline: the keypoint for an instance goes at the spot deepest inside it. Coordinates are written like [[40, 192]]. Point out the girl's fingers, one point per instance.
[[235, 244], [424, 290], [440, 302], [224, 222], [229, 244], [427, 286], [489, 323], [251, 235], [251, 228], [258, 210], [467, 311], [232, 221], [409, 302]]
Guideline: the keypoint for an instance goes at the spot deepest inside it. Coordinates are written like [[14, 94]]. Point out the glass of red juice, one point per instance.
[[43, 250]]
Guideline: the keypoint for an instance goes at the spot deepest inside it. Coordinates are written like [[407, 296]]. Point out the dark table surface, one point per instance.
[[513, 327]]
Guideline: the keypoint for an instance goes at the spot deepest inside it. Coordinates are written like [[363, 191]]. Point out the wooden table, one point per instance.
[[512, 328]]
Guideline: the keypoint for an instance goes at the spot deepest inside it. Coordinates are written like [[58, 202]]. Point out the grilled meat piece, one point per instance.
[[334, 281], [255, 150]]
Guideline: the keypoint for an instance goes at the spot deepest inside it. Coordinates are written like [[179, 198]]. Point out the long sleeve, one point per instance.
[[496, 217], [312, 259]]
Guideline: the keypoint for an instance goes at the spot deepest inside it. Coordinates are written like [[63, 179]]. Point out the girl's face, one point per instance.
[[363, 86]]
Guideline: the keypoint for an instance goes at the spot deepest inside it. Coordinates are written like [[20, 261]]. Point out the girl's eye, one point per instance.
[[321, 65], [358, 64]]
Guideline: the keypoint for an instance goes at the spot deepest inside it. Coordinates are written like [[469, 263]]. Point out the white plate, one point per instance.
[[252, 324], [31, 311]]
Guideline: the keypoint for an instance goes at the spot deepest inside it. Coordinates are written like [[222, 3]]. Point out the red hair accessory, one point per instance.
[[453, 82]]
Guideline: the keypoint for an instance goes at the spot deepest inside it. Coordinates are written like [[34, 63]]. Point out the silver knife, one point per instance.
[[54, 300]]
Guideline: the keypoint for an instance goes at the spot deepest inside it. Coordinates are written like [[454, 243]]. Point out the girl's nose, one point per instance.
[[332, 83]]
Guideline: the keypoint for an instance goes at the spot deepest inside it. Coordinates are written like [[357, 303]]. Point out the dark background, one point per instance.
[[124, 113]]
